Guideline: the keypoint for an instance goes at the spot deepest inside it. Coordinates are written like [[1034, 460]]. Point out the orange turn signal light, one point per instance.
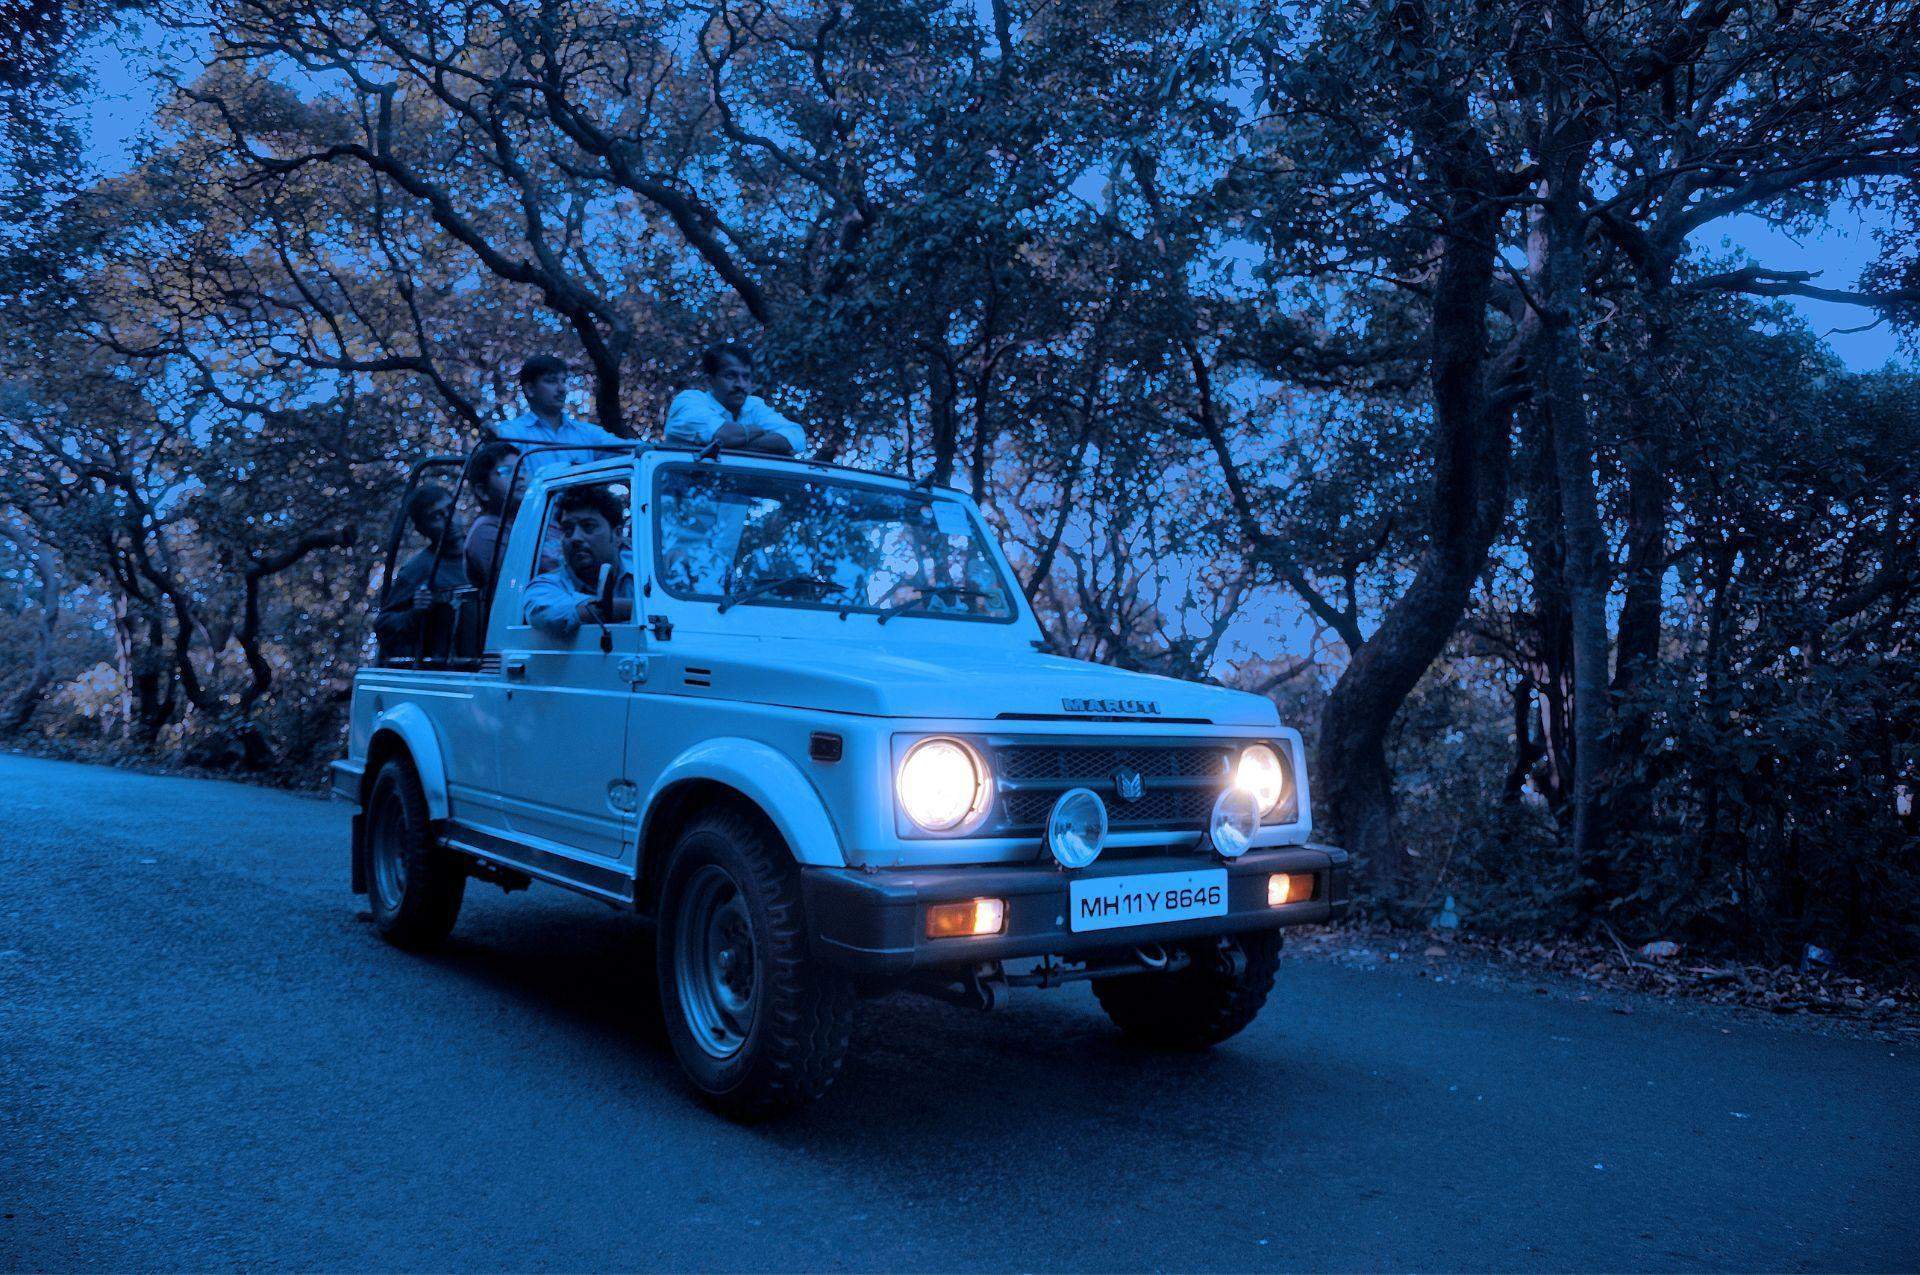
[[971, 919], [1289, 887]]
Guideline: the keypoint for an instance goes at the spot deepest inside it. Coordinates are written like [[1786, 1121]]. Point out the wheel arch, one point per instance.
[[406, 731], [747, 775]]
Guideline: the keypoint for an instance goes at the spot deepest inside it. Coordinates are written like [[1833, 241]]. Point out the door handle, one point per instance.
[[516, 668]]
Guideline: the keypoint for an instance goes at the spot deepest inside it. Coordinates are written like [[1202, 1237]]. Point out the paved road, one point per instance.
[[208, 1060]]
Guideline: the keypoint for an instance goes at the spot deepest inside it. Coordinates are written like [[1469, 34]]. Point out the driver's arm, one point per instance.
[[552, 606]]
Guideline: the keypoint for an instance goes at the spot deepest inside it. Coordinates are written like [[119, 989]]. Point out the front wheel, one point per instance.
[[1213, 998], [415, 887], [758, 1025]]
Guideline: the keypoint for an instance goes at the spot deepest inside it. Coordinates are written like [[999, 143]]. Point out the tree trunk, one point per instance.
[[1637, 646], [260, 671], [604, 353], [1648, 488], [147, 684], [942, 414], [20, 706], [1527, 749], [1714, 708], [1638, 650], [1557, 253], [1466, 509], [1552, 616]]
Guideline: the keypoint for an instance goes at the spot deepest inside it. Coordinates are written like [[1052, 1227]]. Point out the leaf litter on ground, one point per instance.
[[1612, 966]]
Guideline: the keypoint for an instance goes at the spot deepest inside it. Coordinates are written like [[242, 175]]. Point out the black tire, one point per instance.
[[763, 1031], [1199, 1006], [414, 887]]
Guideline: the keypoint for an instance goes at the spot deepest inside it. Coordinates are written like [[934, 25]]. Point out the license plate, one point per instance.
[[1105, 903]]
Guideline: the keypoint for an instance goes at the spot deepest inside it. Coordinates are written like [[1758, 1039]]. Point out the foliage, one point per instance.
[[1358, 353]]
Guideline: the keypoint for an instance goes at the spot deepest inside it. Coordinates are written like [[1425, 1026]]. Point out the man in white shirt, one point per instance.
[[594, 583], [543, 378], [727, 409]]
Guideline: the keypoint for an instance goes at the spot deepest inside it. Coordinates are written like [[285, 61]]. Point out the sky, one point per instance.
[[1844, 247]]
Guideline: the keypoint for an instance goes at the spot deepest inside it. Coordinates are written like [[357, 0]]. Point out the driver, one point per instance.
[[594, 582]]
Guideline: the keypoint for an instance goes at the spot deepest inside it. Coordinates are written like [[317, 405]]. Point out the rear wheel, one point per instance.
[[415, 887], [1213, 998], [758, 1025]]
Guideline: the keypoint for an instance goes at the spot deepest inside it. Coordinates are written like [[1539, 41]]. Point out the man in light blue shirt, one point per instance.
[[543, 378], [728, 411], [594, 582]]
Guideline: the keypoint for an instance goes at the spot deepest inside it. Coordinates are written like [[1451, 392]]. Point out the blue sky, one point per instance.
[[1843, 248]]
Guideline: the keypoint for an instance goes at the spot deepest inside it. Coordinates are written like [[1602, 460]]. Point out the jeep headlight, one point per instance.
[[1261, 774], [943, 785]]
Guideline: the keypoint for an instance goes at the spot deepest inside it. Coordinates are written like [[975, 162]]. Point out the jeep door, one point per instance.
[[561, 740]]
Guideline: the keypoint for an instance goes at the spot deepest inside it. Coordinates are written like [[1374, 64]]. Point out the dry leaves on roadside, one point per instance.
[[1610, 964]]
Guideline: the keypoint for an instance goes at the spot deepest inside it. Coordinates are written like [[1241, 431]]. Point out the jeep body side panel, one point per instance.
[[556, 713], [547, 861], [440, 719]]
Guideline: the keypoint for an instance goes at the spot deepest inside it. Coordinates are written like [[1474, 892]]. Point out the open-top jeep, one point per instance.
[[823, 748]]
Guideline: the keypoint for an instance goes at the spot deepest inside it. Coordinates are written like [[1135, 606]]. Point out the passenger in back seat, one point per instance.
[[498, 481], [436, 568]]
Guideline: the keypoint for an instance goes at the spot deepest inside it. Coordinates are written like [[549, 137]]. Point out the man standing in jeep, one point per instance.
[[728, 412], [543, 379]]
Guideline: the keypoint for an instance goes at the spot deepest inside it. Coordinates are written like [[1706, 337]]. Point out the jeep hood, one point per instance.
[[979, 681]]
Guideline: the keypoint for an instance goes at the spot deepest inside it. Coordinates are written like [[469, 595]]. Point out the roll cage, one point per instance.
[[450, 634]]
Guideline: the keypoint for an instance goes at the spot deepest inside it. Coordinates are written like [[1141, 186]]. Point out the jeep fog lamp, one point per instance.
[[1077, 828], [1289, 887], [1234, 820], [970, 919], [1261, 774], [942, 784]]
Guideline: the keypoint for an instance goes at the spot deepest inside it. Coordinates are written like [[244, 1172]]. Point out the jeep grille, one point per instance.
[[1178, 782]]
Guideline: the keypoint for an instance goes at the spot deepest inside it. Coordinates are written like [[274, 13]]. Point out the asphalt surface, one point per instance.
[[208, 1060]]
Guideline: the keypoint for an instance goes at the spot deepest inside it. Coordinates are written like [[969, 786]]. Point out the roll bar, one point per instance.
[[530, 447]]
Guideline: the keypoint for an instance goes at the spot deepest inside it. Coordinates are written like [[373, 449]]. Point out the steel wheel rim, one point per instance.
[[716, 966], [389, 858]]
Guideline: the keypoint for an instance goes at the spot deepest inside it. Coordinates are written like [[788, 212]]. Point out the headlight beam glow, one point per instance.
[[1261, 773], [943, 785]]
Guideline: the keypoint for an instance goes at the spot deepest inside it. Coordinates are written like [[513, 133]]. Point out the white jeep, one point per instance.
[[823, 748]]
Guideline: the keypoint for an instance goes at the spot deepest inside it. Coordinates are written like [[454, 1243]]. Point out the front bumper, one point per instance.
[[875, 922]]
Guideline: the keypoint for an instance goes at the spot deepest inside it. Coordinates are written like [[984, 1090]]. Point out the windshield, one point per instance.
[[759, 538]]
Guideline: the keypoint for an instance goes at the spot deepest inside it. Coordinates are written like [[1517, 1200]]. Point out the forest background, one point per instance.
[[1389, 358]]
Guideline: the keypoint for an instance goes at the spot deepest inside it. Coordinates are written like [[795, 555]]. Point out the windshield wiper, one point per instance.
[[765, 587], [933, 591]]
